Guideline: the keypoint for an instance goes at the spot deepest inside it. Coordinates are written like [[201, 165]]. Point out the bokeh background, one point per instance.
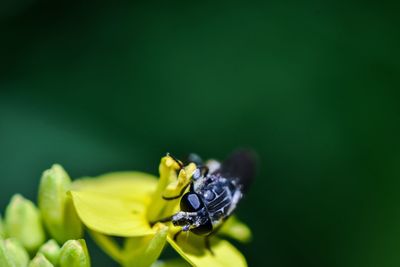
[[100, 86]]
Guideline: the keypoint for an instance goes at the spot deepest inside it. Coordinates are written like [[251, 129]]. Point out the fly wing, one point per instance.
[[240, 165]]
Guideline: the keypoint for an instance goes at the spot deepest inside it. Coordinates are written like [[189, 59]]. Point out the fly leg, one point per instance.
[[163, 220], [207, 244], [177, 234], [207, 238]]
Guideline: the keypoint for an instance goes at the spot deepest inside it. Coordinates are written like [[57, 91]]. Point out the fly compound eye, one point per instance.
[[191, 202]]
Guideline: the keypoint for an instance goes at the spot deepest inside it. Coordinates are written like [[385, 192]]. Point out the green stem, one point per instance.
[[109, 245]]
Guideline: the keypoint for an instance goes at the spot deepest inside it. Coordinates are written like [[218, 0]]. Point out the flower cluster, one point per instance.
[[123, 205], [25, 228], [113, 205]]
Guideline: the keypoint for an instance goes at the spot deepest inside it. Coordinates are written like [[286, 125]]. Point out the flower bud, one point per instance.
[[5, 258], [23, 222], [56, 206], [74, 253], [171, 262], [2, 230], [40, 261], [17, 252], [51, 250]]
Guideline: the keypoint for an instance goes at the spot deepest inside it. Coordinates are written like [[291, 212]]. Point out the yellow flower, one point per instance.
[[122, 204]]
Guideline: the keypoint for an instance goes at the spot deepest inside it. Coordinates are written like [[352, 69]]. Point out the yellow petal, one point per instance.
[[137, 186], [177, 188], [139, 251], [143, 251], [236, 229], [110, 214], [167, 169], [192, 248], [169, 185], [174, 188]]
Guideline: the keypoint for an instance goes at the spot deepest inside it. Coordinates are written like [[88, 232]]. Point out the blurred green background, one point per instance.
[[100, 86]]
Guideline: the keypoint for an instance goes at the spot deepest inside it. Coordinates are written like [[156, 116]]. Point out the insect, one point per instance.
[[214, 191]]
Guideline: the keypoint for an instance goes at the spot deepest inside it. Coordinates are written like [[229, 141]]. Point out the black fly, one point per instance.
[[214, 192]]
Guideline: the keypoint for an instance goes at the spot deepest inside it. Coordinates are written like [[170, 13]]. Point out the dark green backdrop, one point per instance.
[[312, 86]]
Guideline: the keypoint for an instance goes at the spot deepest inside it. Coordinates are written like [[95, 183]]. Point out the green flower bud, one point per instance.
[[51, 250], [5, 257], [56, 206], [16, 252], [40, 261], [74, 253], [2, 230], [171, 263], [23, 222]]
